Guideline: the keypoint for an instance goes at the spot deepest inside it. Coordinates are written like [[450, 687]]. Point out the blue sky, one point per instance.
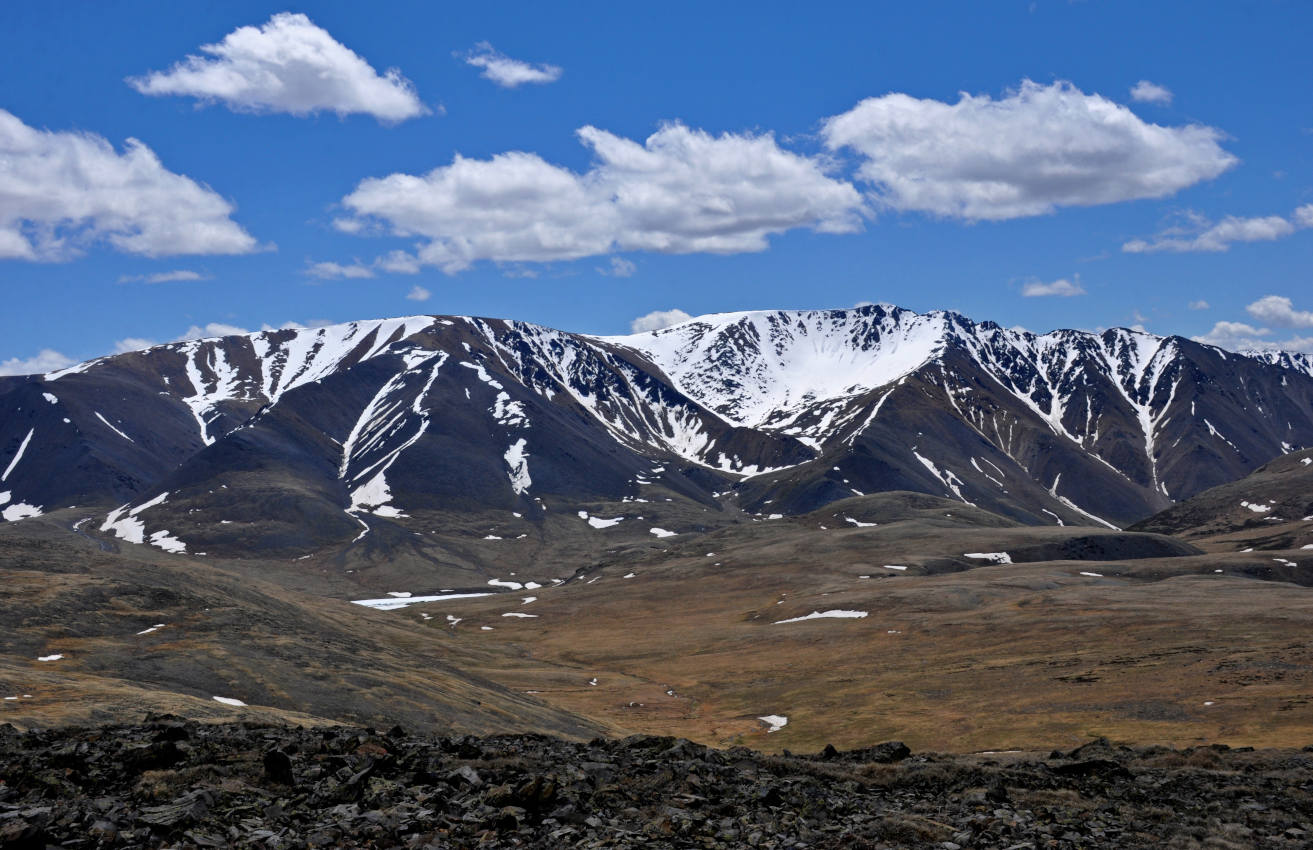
[[583, 165]]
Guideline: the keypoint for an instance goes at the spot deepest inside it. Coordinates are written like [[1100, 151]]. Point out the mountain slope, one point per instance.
[[1272, 508]]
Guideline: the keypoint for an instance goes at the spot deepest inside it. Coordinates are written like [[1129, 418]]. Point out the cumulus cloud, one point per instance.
[[288, 65], [330, 271], [164, 277], [658, 319], [620, 267], [1028, 153], [1147, 92], [1060, 287], [507, 72], [418, 293], [680, 191], [1275, 310], [61, 191], [46, 360], [1199, 305], [1280, 311], [1198, 233]]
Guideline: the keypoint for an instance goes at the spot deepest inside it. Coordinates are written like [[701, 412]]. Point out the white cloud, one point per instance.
[[329, 271], [1147, 92], [1200, 234], [61, 191], [398, 262], [288, 65], [1037, 149], [164, 277], [1199, 305], [46, 360], [1061, 287], [620, 267], [1240, 336], [507, 72], [211, 329], [1280, 311], [133, 343], [418, 293], [1270, 309], [658, 319], [681, 191]]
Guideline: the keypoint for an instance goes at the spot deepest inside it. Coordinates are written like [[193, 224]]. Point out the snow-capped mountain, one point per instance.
[[324, 435]]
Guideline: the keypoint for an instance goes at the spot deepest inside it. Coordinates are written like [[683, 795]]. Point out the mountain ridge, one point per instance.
[[786, 409]]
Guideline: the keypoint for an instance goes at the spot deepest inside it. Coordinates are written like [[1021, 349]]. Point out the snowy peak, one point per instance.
[[757, 368]]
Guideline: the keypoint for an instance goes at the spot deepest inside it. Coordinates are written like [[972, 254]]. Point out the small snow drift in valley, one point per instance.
[[823, 615]]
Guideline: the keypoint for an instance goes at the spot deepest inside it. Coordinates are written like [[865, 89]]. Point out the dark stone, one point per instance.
[[278, 768]]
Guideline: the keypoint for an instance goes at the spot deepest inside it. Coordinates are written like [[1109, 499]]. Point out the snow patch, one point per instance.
[[163, 540], [774, 722], [229, 701], [992, 557], [598, 522], [112, 428], [824, 615], [22, 447], [373, 497], [20, 510], [661, 532], [128, 527], [517, 459], [392, 602]]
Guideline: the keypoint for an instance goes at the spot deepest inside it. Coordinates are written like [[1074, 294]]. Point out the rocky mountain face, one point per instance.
[[293, 440]]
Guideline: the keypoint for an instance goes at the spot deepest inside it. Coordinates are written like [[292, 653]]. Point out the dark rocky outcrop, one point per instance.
[[275, 787]]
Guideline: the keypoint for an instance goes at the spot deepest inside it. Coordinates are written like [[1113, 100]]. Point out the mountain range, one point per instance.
[[370, 434]]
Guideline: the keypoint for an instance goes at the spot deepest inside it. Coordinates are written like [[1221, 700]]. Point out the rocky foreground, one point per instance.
[[170, 782]]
